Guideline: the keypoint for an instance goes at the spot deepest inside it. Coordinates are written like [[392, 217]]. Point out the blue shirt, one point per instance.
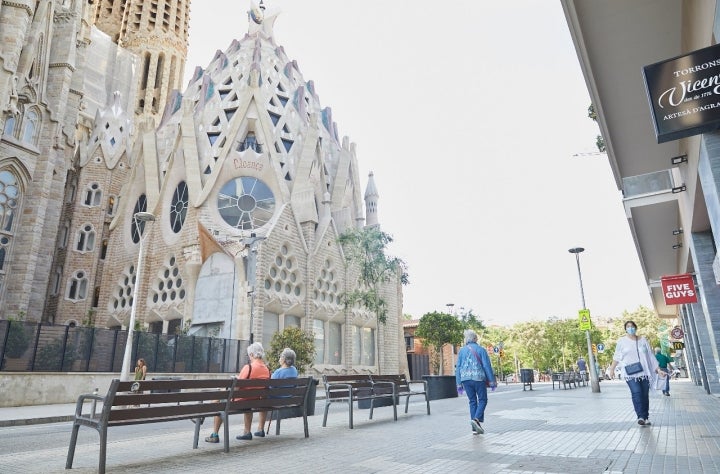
[[285, 373]]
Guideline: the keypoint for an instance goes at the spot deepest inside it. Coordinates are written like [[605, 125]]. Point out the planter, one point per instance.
[[295, 412], [441, 386]]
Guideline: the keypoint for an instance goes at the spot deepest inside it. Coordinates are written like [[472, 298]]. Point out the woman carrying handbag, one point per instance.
[[473, 375]]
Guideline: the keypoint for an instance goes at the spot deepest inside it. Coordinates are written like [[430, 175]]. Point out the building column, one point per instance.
[[707, 311]]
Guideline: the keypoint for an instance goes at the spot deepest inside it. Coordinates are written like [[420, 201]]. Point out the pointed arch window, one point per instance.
[[9, 129], [30, 125], [178, 207], [93, 195], [86, 239], [137, 227], [77, 286], [9, 196]]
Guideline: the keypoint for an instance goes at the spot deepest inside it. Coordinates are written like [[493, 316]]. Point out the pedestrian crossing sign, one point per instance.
[[584, 319]]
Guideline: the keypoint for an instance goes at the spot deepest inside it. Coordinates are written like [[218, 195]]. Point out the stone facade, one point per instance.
[[243, 175]]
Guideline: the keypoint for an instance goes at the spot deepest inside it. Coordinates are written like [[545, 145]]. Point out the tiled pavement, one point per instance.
[[544, 430]]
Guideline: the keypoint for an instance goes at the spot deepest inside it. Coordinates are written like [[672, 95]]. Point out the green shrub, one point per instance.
[[302, 342]]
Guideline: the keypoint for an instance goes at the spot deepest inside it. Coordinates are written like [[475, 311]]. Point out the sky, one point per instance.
[[472, 115]]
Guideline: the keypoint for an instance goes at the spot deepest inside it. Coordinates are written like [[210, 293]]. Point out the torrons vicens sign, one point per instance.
[[684, 94]]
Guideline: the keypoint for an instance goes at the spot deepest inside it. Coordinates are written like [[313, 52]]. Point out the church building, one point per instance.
[[214, 210]]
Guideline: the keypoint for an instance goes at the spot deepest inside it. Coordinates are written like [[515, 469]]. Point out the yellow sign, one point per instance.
[[584, 319]]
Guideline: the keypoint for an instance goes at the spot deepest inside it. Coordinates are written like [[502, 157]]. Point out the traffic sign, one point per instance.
[[584, 319], [601, 347], [496, 349]]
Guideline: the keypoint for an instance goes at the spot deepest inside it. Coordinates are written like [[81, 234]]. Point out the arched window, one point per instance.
[[56, 280], [93, 195], [138, 227], [30, 123], [86, 239], [9, 129], [178, 207], [77, 286], [9, 203], [112, 205]]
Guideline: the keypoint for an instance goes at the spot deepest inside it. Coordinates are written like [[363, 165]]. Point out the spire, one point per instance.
[[371, 200]]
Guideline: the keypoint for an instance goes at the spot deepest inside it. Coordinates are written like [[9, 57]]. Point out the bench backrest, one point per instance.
[[400, 381], [153, 400], [269, 394], [336, 385], [159, 399]]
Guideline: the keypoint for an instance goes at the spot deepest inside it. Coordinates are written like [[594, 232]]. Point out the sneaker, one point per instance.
[[641, 421], [667, 394], [259, 434], [246, 436], [647, 423], [477, 426], [213, 438]]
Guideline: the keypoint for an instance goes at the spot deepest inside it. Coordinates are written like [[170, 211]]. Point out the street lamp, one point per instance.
[[251, 244], [138, 218], [594, 381]]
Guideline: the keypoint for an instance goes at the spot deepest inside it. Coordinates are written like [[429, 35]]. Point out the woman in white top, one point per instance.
[[639, 368]]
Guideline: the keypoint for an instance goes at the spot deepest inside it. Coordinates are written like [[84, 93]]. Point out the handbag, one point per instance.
[[635, 367]]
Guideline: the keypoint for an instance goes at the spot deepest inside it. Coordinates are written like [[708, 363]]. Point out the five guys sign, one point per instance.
[[678, 289]]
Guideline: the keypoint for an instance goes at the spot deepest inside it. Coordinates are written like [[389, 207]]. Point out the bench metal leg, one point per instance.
[[198, 422], [71, 449], [327, 407], [226, 433], [103, 449], [407, 402]]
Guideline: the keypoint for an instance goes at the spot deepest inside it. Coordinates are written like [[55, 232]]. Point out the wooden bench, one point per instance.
[[154, 401], [404, 388], [354, 388]]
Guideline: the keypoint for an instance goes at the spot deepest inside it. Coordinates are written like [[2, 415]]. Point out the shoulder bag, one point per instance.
[[635, 367]]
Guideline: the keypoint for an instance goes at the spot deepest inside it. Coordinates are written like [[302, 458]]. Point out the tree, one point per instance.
[[365, 248], [299, 341], [436, 330]]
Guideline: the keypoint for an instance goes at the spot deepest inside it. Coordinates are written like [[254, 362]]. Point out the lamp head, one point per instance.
[[576, 250], [144, 216]]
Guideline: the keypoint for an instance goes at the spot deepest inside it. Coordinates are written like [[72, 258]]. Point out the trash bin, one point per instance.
[[527, 377], [165, 378]]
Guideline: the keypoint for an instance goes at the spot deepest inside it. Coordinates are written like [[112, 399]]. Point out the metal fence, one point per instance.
[[33, 347]]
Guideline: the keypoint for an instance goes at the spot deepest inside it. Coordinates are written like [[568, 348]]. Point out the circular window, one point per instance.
[[246, 203]]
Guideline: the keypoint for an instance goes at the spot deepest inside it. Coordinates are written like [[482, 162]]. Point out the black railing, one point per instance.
[[33, 347]]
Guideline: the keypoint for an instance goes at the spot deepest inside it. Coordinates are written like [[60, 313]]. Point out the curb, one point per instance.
[[36, 421]]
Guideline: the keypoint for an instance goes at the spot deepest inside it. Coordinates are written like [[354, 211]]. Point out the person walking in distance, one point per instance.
[[473, 375], [665, 366]]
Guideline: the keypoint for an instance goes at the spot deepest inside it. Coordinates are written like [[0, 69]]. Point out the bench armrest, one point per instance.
[[86, 397]]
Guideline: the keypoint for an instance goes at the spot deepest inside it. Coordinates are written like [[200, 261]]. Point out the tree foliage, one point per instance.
[[302, 342], [438, 329], [366, 249]]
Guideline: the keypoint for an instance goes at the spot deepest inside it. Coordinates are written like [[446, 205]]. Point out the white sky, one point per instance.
[[469, 113]]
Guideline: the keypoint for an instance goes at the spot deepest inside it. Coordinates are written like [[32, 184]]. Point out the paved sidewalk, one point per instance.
[[544, 430]]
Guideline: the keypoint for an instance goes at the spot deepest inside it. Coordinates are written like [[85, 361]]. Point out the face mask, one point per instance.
[[631, 330]]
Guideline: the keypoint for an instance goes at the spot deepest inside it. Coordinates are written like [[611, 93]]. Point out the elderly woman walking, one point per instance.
[[473, 375]]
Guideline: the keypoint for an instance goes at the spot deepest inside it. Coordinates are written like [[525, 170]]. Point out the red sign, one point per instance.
[[678, 289]]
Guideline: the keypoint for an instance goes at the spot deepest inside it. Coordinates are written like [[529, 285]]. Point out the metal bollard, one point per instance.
[[94, 404]]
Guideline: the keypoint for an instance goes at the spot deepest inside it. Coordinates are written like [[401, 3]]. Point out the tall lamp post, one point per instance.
[[594, 381], [138, 217], [251, 244]]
